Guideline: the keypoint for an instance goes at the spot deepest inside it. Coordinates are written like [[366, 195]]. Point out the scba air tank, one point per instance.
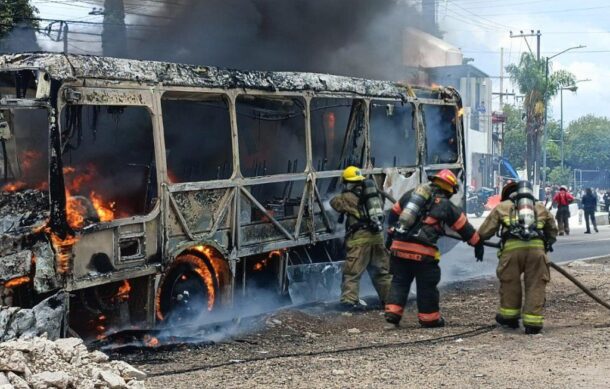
[[525, 204], [372, 204], [411, 212]]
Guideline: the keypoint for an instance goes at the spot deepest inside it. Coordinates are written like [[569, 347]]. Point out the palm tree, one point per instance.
[[531, 78]]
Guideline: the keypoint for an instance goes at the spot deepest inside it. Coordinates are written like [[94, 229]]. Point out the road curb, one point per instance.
[[586, 259]]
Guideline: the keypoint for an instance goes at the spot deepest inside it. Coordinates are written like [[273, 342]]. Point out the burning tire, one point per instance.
[[189, 288]]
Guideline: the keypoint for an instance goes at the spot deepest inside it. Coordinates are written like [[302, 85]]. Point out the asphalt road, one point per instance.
[[459, 263]]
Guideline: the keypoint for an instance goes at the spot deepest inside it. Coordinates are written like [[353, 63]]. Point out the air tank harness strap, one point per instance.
[[516, 244]]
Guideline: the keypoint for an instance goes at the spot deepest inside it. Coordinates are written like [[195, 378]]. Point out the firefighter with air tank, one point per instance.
[[360, 204], [527, 231], [416, 222]]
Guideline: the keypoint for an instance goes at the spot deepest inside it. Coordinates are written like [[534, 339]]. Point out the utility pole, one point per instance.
[[523, 35], [65, 31], [114, 36], [534, 163]]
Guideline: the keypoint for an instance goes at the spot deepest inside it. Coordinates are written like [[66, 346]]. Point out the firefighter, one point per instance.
[[528, 231], [563, 199], [361, 203], [416, 222]]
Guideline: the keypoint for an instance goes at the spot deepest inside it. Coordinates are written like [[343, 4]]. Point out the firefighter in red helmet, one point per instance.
[[416, 222]]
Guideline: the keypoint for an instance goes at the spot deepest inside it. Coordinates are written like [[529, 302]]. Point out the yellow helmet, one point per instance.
[[352, 174]]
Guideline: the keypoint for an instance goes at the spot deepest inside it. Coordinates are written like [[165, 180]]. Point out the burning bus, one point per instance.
[[148, 190]]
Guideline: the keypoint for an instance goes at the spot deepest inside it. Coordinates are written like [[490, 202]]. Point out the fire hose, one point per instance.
[[556, 267]]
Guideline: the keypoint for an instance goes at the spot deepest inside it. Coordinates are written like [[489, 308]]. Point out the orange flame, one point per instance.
[[28, 159], [435, 86], [63, 252], [105, 213], [461, 112], [123, 293], [171, 176], [258, 266], [200, 268], [150, 341], [75, 209], [16, 282], [14, 186], [100, 327]]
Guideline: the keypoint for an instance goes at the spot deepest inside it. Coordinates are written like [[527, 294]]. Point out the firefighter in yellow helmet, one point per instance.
[[528, 231], [360, 204], [416, 223]]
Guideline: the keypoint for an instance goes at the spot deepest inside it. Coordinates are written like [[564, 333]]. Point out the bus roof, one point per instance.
[[74, 66]]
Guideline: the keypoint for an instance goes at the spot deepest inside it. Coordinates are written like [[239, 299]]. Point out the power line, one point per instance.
[[550, 11]]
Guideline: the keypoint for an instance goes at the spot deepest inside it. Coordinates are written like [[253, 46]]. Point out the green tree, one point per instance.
[[560, 176], [515, 139], [16, 19], [530, 76], [514, 136], [587, 142]]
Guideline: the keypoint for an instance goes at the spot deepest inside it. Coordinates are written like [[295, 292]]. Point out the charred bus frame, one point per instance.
[[226, 243]]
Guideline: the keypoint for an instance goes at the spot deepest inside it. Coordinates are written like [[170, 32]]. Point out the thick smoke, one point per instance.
[[21, 39], [348, 37]]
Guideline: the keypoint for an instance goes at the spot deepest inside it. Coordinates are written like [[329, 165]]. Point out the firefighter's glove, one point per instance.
[[479, 251]]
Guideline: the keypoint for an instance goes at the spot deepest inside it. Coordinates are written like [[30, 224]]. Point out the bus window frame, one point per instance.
[[416, 127], [118, 96], [307, 128], [230, 107], [459, 135]]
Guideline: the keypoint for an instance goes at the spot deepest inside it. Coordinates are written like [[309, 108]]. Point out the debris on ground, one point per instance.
[[314, 347], [44, 318], [39, 363]]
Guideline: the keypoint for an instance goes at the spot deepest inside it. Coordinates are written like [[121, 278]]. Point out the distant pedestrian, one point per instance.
[[563, 199], [606, 200], [589, 204]]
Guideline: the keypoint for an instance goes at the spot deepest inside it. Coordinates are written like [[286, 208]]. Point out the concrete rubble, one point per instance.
[[44, 318], [39, 363]]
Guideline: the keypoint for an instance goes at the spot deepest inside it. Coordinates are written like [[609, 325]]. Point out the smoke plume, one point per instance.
[[349, 37]]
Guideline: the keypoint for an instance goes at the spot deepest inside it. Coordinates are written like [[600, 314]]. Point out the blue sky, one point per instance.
[[479, 28]]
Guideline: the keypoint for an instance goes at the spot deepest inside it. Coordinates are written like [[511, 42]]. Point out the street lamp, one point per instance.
[[546, 100], [571, 88]]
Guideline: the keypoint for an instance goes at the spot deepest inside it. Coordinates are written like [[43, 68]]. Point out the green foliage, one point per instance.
[[587, 142], [514, 137], [530, 76], [14, 12], [560, 176]]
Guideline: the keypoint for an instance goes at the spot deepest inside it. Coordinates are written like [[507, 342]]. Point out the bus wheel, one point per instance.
[[188, 289]]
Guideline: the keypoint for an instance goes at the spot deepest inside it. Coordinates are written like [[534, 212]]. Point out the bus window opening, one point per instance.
[[271, 135], [441, 134], [329, 124], [108, 159], [393, 135], [24, 154], [197, 132]]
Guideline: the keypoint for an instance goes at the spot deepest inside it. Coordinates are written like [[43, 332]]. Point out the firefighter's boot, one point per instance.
[[510, 323], [433, 324], [392, 318], [531, 330]]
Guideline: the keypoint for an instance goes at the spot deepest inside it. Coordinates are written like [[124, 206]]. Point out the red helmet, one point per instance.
[[446, 180]]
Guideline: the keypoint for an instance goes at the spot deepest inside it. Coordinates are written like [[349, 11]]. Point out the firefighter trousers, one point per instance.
[[532, 263], [563, 219], [368, 257], [427, 274]]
